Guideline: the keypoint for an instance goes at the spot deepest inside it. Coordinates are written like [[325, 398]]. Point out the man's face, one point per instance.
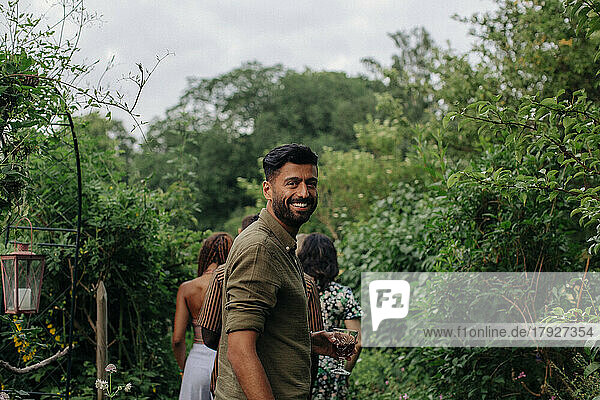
[[293, 194]]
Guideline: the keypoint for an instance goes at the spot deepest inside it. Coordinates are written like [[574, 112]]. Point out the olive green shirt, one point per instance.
[[264, 291]]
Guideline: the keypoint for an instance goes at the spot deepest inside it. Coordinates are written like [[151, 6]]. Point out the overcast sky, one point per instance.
[[210, 37]]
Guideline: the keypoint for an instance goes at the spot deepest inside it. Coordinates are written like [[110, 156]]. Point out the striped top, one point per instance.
[[210, 317]]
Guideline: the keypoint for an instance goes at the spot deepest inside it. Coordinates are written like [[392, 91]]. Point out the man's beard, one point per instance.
[[293, 219]]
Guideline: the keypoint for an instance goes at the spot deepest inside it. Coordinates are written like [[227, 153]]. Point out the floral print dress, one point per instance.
[[337, 304]]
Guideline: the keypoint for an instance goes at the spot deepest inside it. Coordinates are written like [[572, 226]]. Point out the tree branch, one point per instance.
[[106, 100], [529, 187], [41, 364], [565, 111], [499, 122]]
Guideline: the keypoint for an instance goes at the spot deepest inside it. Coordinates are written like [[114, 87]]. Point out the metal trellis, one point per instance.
[[68, 293]]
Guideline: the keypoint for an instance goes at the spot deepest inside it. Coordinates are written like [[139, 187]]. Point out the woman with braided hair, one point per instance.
[[196, 370]]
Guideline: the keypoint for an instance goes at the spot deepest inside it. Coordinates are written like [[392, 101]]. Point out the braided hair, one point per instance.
[[214, 250]]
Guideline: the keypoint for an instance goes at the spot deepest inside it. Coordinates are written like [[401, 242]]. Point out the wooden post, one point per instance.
[[101, 334]]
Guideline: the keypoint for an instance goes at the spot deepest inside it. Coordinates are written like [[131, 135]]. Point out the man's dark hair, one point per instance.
[[318, 258], [294, 153], [248, 219]]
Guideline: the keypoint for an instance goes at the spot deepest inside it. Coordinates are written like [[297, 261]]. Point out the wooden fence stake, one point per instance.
[[101, 334]]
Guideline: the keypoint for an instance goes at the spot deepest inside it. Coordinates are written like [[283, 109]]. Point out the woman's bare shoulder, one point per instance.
[[188, 286], [204, 280], [199, 283]]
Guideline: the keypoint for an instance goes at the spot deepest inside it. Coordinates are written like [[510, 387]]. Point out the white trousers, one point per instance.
[[195, 384]]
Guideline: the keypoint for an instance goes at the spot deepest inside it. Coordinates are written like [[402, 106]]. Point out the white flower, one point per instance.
[[4, 396], [128, 387], [110, 368], [102, 385]]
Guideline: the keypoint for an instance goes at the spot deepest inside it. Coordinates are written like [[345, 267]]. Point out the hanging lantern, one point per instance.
[[22, 275]]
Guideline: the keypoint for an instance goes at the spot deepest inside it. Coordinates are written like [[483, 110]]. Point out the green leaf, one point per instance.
[[549, 101], [590, 369], [523, 197], [496, 174], [447, 118], [568, 122], [452, 179]]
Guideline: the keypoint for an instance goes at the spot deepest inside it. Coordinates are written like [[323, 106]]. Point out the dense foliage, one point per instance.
[[127, 240], [439, 161], [129, 244], [514, 162]]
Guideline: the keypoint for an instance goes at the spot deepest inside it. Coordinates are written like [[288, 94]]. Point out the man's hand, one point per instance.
[[325, 343]]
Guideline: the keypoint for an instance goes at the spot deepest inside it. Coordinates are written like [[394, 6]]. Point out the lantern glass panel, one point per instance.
[[9, 284], [30, 277]]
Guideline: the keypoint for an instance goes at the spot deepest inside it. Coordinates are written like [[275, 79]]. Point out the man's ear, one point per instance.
[[267, 190]]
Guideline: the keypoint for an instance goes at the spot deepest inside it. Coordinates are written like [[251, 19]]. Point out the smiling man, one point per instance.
[[265, 345]]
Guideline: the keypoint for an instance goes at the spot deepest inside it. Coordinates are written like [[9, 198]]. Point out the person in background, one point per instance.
[[318, 258], [210, 316], [195, 384], [248, 219], [313, 296], [299, 240]]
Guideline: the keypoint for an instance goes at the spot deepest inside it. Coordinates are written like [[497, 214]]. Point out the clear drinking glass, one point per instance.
[[345, 340]]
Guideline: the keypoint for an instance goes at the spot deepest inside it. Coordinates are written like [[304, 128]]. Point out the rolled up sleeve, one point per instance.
[[250, 291]]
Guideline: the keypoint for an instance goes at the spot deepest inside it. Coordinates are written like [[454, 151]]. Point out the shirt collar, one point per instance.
[[280, 233]]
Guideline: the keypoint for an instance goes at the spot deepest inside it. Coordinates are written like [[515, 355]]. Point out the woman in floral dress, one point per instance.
[[340, 310]]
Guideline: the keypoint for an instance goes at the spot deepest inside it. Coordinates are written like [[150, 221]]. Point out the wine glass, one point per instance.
[[345, 340]]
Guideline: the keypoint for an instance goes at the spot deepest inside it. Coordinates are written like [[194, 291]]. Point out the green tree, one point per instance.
[[223, 125], [533, 46], [410, 79], [122, 223], [315, 108]]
